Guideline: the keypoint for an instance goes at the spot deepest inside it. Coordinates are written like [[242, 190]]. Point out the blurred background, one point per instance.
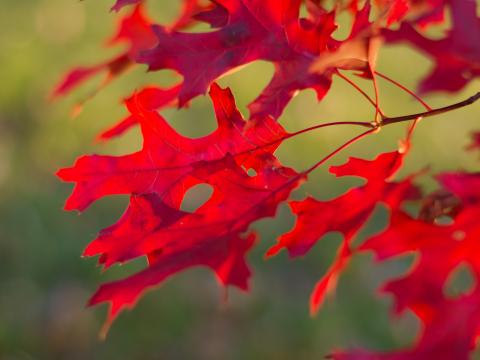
[[44, 284]]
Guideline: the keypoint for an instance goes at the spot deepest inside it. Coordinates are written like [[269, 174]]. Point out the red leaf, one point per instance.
[[456, 56], [158, 177], [78, 76], [346, 214], [255, 30], [149, 98], [174, 240], [328, 283], [394, 10], [119, 4], [450, 325], [449, 335], [169, 163], [217, 16], [189, 12], [475, 144], [135, 31]]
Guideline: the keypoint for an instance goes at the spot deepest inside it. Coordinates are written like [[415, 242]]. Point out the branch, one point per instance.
[[461, 104]]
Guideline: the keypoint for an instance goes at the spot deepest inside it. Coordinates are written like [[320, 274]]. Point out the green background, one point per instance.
[[44, 284]]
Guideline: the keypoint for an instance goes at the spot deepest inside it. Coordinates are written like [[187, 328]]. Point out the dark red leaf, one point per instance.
[[119, 4], [456, 56], [255, 30]]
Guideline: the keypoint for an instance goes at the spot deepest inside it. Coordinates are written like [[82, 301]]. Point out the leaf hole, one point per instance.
[[443, 220], [461, 281], [467, 74], [251, 172], [459, 235], [189, 126], [195, 197]]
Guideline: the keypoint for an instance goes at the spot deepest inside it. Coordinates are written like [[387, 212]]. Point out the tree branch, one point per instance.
[[433, 112]]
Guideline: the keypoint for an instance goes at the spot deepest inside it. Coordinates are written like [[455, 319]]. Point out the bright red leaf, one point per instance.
[[159, 176], [213, 236], [345, 214], [451, 326], [150, 98], [169, 162]]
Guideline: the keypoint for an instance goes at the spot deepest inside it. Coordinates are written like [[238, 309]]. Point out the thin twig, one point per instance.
[[335, 152], [311, 128], [378, 110], [404, 88], [359, 89]]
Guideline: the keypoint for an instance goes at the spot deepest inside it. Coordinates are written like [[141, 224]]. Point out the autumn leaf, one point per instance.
[[150, 98], [255, 30], [475, 144], [135, 31], [119, 4], [456, 56], [158, 177], [450, 326], [169, 163], [346, 214], [214, 236]]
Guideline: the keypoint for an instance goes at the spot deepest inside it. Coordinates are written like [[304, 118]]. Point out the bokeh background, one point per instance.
[[44, 284]]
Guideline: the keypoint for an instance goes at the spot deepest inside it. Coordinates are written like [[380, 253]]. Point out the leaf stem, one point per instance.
[[404, 88], [378, 110], [335, 152], [311, 128], [357, 123], [359, 89]]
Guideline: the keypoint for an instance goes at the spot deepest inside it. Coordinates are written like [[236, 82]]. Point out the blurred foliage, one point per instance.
[[43, 282]]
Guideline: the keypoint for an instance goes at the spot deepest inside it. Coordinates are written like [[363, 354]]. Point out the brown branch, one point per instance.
[[461, 104]]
